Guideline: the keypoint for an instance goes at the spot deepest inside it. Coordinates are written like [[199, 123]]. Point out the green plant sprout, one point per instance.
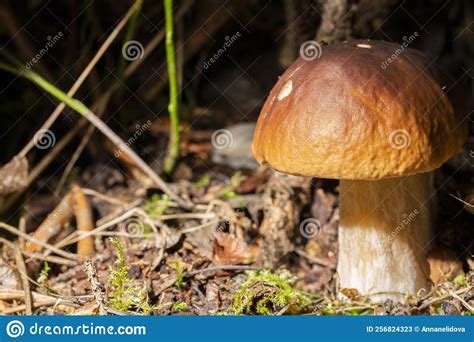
[[204, 181], [173, 106], [45, 270], [229, 191], [43, 278]]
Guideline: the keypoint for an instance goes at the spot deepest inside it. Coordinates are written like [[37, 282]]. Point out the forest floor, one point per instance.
[[150, 256]]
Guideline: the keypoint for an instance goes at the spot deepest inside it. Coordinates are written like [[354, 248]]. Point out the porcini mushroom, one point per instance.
[[381, 125]]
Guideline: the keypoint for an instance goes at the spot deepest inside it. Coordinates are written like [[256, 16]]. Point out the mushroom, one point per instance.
[[380, 125]]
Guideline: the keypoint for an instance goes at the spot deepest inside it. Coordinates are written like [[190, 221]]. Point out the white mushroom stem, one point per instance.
[[384, 235]]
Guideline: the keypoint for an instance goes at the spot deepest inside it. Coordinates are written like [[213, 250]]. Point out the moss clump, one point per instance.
[[266, 293], [156, 205], [179, 306], [124, 296], [43, 278]]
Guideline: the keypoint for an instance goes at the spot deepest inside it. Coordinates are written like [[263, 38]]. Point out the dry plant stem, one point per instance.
[[221, 268], [83, 213], [20, 263], [67, 170], [8, 294], [101, 126], [52, 259], [100, 103], [39, 303], [438, 299], [105, 198], [463, 302], [48, 123], [96, 287], [73, 238], [104, 98], [137, 160], [22, 228], [28, 238], [384, 233]]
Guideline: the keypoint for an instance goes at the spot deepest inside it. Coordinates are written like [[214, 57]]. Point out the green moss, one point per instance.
[[156, 205], [204, 181], [43, 278], [266, 293], [179, 272], [124, 296], [179, 306], [460, 280], [45, 270]]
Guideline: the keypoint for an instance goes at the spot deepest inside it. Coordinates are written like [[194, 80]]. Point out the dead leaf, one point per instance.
[[8, 275], [212, 297], [13, 175], [443, 265], [229, 250], [89, 309]]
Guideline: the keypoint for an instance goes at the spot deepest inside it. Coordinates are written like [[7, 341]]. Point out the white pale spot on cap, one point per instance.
[[364, 46], [285, 90]]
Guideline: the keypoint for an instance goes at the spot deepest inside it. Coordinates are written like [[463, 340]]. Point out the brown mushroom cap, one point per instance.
[[345, 115]]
